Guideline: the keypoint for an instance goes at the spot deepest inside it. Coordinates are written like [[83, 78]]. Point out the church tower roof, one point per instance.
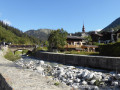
[[83, 29]]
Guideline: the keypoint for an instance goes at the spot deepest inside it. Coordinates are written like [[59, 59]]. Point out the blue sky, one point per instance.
[[54, 14]]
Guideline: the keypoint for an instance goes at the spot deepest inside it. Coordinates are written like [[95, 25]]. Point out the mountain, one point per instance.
[[15, 36], [42, 34], [115, 25]]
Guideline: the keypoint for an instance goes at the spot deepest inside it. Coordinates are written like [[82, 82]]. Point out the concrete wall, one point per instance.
[[3, 84], [101, 62]]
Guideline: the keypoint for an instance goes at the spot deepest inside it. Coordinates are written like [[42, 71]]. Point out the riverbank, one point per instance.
[[79, 78], [25, 79]]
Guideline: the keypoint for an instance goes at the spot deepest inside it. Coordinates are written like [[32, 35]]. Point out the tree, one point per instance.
[[57, 39], [88, 39]]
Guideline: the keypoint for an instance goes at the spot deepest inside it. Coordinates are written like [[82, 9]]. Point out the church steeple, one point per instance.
[[83, 28]]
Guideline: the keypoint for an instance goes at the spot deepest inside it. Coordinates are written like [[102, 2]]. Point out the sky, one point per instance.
[[54, 14]]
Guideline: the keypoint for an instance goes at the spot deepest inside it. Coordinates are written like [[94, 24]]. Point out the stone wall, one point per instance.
[[3, 84], [101, 62]]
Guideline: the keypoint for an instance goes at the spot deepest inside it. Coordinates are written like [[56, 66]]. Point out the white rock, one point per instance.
[[92, 82], [40, 69], [41, 62], [31, 62], [77, 80], [115, 83], [84, 74], [70, 67], [96, 88], [64, 80], [89, 76], [69, 81], [117, 76], [75, 85], [84, 83], [98, 77]]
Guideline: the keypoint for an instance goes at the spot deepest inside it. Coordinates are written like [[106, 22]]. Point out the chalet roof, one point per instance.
[[74, 37], [100, 35]]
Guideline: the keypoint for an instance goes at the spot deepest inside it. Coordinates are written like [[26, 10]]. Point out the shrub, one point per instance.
[[10, 56]]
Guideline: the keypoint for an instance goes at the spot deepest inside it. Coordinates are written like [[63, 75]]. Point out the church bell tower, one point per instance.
[[83, 29]]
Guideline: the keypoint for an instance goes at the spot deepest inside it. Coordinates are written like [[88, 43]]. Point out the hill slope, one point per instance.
[[115, 25], [42, 34], [15, 36]]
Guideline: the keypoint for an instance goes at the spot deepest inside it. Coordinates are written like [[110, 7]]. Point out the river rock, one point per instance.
[[84, 83], [77, 80], [96, 88], [41, 62], [92, 82], [89, 76], [70, 67], [97, 77], [84, 74], [40, 69], [115, 83], [75, 85], [117, 76], [69, 81]]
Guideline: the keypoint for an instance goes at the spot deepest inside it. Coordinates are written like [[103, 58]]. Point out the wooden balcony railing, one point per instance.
[[72, 46]]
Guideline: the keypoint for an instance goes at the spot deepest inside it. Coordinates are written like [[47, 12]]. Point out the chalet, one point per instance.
[[118, 35], [95, 36], [79, 43], [74, 42]]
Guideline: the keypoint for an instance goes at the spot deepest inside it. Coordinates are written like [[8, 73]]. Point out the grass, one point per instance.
[[42, 48], [10, 56], [24, 51], [81, 53], [56, 83]]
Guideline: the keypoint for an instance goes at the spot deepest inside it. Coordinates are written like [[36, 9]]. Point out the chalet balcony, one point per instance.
[[72, 46]]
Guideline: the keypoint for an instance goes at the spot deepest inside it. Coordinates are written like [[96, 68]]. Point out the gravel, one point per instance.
[[26, 79]]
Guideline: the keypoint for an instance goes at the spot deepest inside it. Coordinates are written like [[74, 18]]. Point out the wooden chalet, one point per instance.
[[74, 42]]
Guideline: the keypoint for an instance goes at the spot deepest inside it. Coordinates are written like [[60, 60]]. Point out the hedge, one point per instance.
[[112, 49]]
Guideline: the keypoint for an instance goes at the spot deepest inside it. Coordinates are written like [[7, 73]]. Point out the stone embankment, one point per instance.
[[25, 79], [101, 62]]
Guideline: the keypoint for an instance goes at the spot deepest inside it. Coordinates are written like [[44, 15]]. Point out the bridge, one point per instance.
[[21, 47]]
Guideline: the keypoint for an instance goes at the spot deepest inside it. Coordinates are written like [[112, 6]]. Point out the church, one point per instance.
[[83, 34]]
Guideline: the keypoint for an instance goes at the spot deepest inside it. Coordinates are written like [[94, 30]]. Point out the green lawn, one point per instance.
[[81, 53]]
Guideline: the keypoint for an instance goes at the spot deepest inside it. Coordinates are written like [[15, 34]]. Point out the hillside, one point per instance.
[[15, 36], [42, 34], [115, 25]]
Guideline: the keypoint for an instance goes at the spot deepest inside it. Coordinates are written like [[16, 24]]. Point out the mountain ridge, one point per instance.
[[114, 25], [42, 34]]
